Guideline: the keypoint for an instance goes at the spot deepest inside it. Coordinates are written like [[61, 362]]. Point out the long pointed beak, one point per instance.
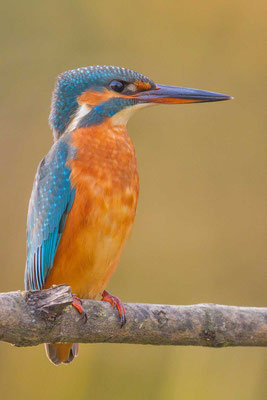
[[178, 95]]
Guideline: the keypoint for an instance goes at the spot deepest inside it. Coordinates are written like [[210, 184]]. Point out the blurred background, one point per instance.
[[201, 227]]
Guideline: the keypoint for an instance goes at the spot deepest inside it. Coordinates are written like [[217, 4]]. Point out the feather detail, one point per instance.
[[51, 199], [104, 174]]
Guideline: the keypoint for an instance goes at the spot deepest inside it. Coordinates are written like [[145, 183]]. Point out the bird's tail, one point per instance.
[[61, 352]]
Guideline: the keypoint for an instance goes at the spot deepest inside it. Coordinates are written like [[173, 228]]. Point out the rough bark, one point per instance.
[[31, 318]]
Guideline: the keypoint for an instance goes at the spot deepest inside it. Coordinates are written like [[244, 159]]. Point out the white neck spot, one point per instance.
[[82, 111]]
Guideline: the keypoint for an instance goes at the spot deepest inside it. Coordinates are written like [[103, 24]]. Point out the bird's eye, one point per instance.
[[117, 86]]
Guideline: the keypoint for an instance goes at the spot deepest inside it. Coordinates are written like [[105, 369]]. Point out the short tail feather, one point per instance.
[[61, 352]]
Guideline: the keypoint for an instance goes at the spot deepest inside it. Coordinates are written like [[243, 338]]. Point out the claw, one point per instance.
[[115, 302], [77, 303]]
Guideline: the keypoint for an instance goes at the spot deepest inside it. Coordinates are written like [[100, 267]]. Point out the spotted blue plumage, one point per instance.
[[51, 199]]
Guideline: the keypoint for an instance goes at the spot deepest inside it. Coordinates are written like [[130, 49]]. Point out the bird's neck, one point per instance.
[[105, 153]]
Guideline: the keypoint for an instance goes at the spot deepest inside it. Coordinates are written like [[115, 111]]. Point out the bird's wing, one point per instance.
[[51, 199]]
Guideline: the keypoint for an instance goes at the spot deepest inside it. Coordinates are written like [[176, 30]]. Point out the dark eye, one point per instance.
[[117, 86]]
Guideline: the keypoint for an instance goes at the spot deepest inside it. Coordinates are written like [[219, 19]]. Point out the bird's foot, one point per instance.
[[114, 301], [77, 303]]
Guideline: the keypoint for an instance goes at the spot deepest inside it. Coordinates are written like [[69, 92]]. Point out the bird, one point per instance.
[[84, 196]]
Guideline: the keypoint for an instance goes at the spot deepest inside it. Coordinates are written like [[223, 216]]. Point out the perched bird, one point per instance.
[[85, 191]]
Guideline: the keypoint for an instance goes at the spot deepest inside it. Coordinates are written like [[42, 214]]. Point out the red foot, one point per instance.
[[114, 301], [77, 303]]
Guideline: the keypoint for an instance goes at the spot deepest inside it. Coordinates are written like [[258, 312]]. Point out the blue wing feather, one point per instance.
[[51, 200]]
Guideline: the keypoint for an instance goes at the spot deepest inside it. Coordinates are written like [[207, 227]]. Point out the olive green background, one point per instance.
[[201, 227]]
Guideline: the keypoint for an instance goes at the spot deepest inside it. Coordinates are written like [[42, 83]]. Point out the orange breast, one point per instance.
[[104, 174]]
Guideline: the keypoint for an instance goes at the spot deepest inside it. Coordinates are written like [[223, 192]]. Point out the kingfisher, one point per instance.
[[85, 192]]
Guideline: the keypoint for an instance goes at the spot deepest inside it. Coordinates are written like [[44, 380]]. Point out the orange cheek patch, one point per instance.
[[142, 86], [95, 98]]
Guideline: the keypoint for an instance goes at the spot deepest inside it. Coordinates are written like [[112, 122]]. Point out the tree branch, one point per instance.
[[46, 316]]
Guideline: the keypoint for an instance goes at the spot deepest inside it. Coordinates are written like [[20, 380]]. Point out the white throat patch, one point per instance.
[[122, 117]]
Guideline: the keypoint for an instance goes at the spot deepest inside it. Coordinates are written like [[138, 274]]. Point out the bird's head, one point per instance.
[[88, 95]]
